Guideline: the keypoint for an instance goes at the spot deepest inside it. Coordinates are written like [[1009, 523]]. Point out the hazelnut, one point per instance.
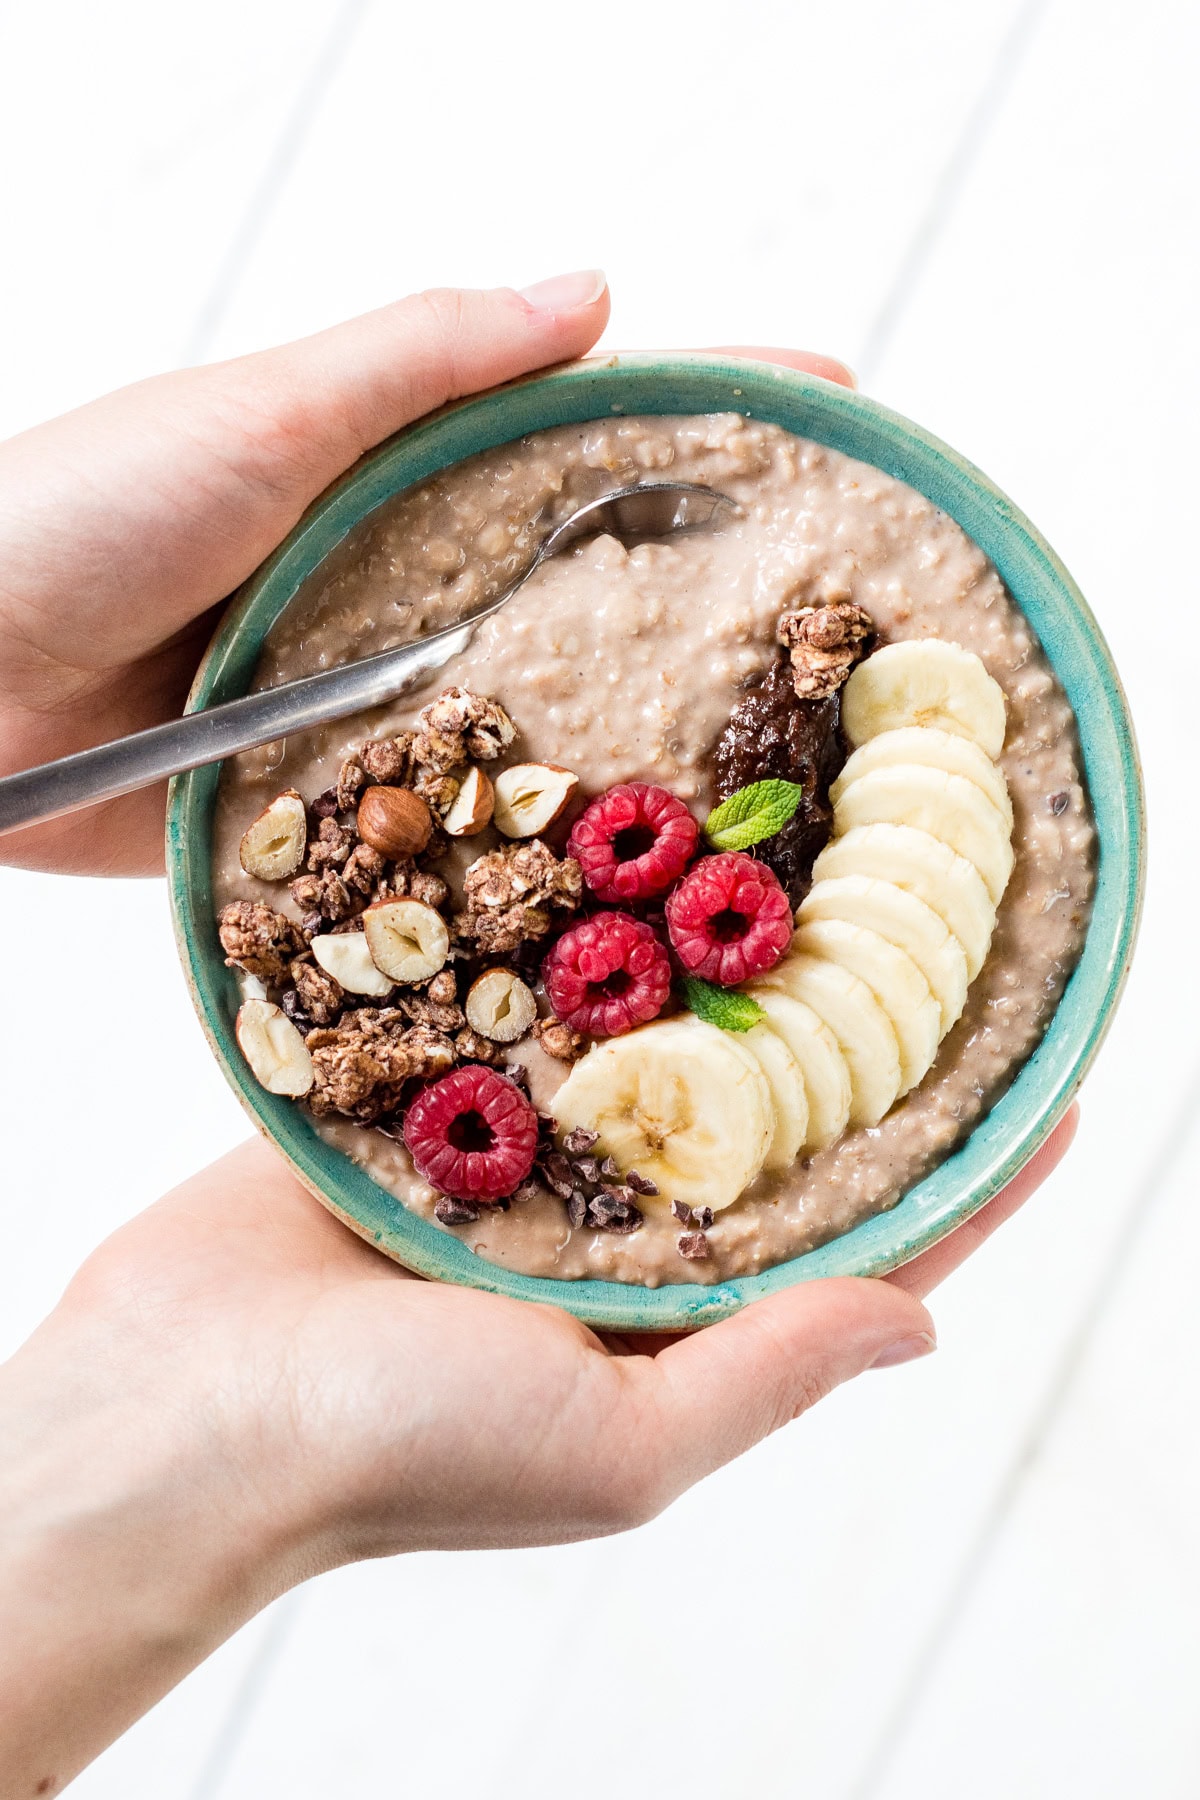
[[409, 942], [271, 1044], [346, 956], [272, 846], [471, 809], [530, 797], [500, 1006], [394, 821]]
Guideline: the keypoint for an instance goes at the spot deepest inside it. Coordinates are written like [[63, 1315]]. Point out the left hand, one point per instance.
[[126, 524]]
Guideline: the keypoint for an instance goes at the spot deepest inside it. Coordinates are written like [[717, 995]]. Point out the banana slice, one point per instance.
[[922, 865], [826, 1077], [785, 1078], [948, 807], [857, 1020], [940, 750], [680, 1101], [924, 681], [904, 921], [893, 978]]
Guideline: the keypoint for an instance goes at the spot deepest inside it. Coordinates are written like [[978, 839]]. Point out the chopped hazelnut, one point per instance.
[[471, 809], [274, 1049], [407, 940], [347, 957], [272, 846], [529, 797], [501, 1006]]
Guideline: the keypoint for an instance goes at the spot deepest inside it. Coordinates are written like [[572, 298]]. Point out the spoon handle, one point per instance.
[[219, 731]]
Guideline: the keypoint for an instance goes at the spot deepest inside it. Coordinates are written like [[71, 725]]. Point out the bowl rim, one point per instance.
[[667, 383]]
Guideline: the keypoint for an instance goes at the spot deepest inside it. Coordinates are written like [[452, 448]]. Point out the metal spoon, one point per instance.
[[646, 510]]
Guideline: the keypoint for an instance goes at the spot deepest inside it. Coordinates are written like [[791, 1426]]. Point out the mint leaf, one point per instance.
[[753, 813], [720, 1006]]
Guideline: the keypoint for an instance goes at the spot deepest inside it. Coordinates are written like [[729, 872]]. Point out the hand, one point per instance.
[[125, 525], [242, 1393]]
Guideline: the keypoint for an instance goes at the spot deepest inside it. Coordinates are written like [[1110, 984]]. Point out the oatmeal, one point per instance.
[[700, 665]]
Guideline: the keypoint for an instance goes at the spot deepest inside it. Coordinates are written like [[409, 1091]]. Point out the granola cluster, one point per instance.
[[460, 727], [510, 894], [369, 1053], [361, 1064], [259, 940], [824, 643]]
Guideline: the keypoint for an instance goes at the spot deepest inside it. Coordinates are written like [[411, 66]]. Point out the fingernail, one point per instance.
[[836, 368], [905, 1350], [563, 293]]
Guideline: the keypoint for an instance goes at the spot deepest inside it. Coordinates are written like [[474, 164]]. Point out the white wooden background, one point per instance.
[[976, 1577]]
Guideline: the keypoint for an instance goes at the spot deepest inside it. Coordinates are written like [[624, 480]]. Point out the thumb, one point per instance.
[[714, 1394]]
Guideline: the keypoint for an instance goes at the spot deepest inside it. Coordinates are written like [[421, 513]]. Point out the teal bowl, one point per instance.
[[812, 408]]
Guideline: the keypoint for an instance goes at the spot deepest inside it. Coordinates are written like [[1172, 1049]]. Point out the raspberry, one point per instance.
[[472, 1134], [633, 841], [729, 919], [607, 975]]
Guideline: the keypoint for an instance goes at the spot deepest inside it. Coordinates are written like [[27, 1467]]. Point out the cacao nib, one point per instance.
[[325, 806], [455, 1212]]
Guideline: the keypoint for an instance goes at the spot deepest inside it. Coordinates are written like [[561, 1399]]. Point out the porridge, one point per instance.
[[525, 942]]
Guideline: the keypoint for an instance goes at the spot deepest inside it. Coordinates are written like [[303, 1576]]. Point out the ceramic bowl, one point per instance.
[[859, 427]]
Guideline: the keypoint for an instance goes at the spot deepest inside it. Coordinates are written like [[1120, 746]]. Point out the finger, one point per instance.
[[711, 1396], [369, 377], [810, 362], [923, 1274], [127, 520]]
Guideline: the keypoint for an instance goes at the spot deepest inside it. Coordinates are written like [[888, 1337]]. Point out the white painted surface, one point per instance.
[[975, 1577]]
